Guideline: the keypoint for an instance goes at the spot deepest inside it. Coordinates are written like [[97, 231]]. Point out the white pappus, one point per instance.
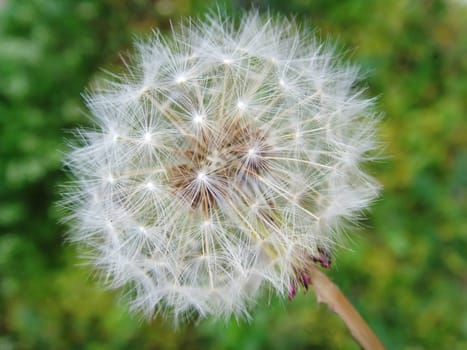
[[225, 159]]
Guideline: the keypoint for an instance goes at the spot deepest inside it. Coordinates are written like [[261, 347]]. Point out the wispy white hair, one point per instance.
[[222, 161]]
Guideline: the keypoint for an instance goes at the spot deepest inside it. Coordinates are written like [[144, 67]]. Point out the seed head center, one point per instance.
[[219, 162]]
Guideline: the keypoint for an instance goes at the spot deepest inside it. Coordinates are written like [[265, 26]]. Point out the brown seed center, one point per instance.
[[215, 164]]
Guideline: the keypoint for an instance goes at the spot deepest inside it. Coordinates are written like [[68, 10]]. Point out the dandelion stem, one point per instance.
[[328, 293]]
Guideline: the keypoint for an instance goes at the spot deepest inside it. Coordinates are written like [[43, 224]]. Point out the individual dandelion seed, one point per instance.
[[222, 163]]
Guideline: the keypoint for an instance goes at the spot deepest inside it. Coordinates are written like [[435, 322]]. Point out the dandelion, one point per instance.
[[223, 162]]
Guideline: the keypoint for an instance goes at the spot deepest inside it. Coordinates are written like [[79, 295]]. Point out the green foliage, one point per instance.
[[405, 270]]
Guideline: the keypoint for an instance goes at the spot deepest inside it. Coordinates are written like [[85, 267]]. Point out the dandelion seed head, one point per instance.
[[147, 137], [241, 105], [198, 118], [222, 162], [227, 61], [110, 179], [180, 79]]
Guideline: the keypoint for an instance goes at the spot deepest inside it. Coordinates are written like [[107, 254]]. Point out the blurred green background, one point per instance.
[[405, 270]]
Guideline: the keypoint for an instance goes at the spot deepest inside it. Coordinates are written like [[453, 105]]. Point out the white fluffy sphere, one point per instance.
[[226, 159]]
